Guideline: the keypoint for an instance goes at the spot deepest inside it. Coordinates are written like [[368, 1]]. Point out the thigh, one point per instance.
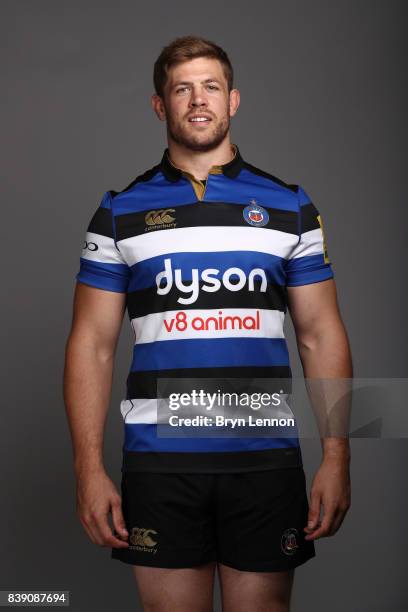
[[169, 518], [255, 591], [184, 590], [260, 520]]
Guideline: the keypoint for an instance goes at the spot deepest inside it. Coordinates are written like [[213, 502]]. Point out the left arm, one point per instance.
[[325, 353]]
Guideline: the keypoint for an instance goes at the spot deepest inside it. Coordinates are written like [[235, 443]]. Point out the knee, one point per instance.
[[157, 604]]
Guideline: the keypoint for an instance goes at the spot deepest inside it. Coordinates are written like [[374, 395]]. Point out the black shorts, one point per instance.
[[251, 521]]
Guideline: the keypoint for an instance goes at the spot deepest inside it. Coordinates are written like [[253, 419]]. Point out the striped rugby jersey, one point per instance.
[[204, 266]]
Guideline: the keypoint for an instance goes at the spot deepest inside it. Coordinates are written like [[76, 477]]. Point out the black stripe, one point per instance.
[[143, 384], [199, 214], [101, 223], [245, 461], [145, 301], [309, 215]]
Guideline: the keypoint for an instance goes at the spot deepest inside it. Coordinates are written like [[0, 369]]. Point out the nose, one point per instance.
[[198, 97]]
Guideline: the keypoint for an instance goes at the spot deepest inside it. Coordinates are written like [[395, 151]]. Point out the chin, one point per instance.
[[205, 143], [199, 142], [203, 146]]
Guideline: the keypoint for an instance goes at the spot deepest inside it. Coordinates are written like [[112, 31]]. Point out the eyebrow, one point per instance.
[[190, 82]]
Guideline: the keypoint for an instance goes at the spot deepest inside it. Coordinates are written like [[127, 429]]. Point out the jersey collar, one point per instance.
[[230, 169]]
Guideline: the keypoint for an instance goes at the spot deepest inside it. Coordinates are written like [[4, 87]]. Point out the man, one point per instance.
[[207, 252]]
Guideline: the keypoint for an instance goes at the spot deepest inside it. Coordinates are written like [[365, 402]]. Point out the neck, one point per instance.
[[199, 163]]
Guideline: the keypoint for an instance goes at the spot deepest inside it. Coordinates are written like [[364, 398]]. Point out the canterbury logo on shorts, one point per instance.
[[142, 537]]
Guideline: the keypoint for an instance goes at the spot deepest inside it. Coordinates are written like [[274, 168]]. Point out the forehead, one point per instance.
[[198, 69]]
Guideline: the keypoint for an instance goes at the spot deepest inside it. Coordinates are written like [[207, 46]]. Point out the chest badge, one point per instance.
[[255, 215]]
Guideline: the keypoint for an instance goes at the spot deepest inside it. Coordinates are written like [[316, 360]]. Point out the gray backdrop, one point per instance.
[[323, 104]]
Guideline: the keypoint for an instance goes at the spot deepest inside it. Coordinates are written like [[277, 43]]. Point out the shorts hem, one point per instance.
[[272, 566]]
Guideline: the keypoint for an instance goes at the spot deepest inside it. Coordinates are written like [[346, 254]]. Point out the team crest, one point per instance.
[[255, 215], [289, 543]]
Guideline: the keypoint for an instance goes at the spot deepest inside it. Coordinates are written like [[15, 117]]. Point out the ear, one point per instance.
[[158, 107], [234, 100]]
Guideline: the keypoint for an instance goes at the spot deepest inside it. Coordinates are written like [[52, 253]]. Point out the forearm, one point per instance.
[[87, 388], [326, 355]]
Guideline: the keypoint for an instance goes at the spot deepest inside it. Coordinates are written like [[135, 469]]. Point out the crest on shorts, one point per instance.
[[255, 214], [289, 543], [141, 540]]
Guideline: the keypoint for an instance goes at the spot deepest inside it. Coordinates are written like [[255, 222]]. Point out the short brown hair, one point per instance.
[[187, 48]]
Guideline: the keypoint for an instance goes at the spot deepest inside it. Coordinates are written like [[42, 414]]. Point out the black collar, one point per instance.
[[173, 174]]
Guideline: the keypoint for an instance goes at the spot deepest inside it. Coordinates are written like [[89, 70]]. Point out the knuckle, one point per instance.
[[85, 519]]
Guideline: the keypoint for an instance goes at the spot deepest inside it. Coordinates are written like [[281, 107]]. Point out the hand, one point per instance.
[[330, 489], [97, 496]]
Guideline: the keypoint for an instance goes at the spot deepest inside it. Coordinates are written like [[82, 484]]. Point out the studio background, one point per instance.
[[323, 104]]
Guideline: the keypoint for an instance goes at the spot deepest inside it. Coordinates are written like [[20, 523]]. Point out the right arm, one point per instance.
[[89, 362]]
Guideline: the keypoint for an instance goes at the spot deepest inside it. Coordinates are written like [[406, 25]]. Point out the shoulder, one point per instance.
[[267, 177], [142, 178]]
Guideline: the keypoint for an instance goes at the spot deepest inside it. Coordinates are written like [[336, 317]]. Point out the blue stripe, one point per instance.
[[204, 353], [249, 186], [156, 193], [144, 272], [145, 437], [112, 277], [307, 269], [146, 195]]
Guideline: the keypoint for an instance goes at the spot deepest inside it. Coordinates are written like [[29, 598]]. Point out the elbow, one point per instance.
[[80, 346], [330, 339], [308, 343], [309, 337]]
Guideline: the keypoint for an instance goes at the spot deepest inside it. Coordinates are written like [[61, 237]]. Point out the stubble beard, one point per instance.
[[198, 143]]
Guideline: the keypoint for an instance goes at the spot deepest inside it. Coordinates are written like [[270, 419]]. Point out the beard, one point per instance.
[[199, 142]]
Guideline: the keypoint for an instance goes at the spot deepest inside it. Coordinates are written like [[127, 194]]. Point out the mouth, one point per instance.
[[200, 119]]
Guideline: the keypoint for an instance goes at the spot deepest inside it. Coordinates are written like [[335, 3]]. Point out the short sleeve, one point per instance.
[[101, 263], [309, 261]]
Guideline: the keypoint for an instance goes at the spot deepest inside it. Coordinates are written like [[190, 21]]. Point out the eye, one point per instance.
[[212, 87], [180, 89]]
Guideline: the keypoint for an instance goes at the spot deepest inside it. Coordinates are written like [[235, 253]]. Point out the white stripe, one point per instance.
[[139, 411], [106, 252], [207, 240], [193, 324], [311, 243]]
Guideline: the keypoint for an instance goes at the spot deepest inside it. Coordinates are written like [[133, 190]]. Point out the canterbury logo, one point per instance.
[[141, 537], [158, 217]]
